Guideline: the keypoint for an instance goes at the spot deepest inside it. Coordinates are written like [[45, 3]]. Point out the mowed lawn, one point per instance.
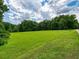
[[61, 44]]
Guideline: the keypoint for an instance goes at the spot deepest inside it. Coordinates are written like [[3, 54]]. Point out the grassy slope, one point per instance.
[[42, 45]]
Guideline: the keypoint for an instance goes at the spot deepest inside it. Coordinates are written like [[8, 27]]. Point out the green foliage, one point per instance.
[[44, 25], [3, 38], [9, 27], [3, 33], [3, 8], [65, 22], [59, 23], [28, 25]]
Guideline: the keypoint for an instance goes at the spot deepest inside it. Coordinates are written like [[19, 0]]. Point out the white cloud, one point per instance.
[[33, 9]]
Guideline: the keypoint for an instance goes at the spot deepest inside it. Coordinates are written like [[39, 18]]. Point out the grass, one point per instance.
[[62, 44]]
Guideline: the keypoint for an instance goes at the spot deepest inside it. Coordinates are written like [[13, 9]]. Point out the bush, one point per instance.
[[3, 38], [4, 35]]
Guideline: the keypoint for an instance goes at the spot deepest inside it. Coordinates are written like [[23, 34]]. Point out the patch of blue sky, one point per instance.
[[73, 3], [43, 2]]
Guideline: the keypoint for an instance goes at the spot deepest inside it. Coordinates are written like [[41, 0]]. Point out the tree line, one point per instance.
[[62, 22]]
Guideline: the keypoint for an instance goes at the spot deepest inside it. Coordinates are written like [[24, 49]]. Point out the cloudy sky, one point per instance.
[[39, 10]]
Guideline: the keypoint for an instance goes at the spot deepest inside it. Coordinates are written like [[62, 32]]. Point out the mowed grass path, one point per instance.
[[62, 44]]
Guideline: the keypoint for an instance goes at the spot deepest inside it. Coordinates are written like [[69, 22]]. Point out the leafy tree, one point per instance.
[[3, 33], [28, 25], [9, 27], [64, 22], [44, 25]]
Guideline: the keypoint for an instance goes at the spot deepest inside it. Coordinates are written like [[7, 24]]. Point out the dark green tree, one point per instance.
[[64, 22], [3, 33], [28, 25], [9, 27], [44, 25]]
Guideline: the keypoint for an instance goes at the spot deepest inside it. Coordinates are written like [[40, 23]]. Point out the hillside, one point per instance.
[[42, 45]]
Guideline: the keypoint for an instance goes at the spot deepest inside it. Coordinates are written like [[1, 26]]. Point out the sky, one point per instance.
[[38, 10]]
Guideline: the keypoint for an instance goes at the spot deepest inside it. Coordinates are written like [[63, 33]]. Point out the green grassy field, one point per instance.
[[42, 45]]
